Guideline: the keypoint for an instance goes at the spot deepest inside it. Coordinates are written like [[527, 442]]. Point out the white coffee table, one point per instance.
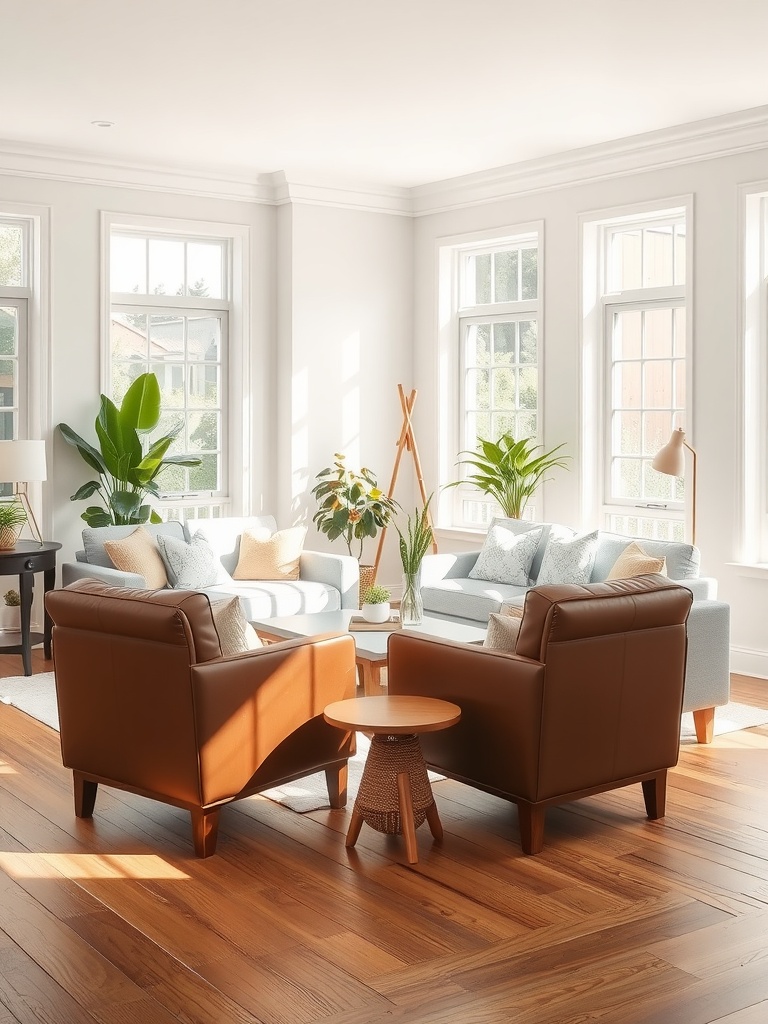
[[370, 645]]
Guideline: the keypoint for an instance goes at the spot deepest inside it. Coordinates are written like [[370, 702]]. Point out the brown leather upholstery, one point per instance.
[[148, 704], [590, 701]]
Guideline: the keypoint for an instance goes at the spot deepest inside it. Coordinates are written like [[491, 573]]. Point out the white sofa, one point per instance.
[[448, 591], [326, 582]]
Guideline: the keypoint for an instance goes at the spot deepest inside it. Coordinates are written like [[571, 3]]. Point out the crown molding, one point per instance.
[[708, 139], [28, 161], [392, 199]]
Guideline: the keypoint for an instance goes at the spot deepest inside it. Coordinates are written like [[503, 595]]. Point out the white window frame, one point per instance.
[[598, 306], [33, 298], [753, 492], [452, 253], [236, 362]]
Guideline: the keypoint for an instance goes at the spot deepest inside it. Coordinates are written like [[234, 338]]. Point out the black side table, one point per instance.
[[27, 558]]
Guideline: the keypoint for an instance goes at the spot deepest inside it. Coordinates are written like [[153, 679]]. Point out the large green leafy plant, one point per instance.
[[351, 505], [127, 473], [509, 471]]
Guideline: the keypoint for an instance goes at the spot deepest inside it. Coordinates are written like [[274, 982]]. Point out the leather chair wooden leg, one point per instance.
[[655, 796], [531, 822], [205, 830], [336, 780], [85, 795]]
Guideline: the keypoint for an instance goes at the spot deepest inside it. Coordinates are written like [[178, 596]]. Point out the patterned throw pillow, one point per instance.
[[138, 553], [568, 559], [506, 557], [236, 634], [192, 566], [265, 556], [633, 561], [502, 632]]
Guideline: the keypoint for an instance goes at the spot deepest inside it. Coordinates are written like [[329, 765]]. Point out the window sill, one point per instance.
[[754, 570]]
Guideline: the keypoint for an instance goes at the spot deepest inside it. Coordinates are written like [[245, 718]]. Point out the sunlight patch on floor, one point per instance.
[[87, 865]]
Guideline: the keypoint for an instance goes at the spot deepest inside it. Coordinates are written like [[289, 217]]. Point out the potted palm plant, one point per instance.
[[127, 472], [509, 471]]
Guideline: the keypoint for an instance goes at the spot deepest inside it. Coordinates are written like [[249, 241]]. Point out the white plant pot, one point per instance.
[[10, 618], [376, 612]]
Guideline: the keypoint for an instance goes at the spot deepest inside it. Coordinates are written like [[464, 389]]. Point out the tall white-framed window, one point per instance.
[[176, 307], [15, 298], [491, 291], [753, 549], [637, 367]]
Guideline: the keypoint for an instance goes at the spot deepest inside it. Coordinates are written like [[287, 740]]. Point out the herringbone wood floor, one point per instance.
[[618, 920]]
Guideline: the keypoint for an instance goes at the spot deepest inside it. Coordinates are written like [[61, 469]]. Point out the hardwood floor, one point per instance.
[[618, 920]]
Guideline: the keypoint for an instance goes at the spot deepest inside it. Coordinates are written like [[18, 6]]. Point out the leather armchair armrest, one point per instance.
[[71, 571], [339, 571], [247, 705]]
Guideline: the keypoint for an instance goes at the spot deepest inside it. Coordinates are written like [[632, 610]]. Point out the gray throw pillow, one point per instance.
[[506, 557], [192, 566], [568, 559]]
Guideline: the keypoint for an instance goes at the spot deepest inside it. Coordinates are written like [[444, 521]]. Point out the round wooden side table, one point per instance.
[[24, 560], [394, 795]]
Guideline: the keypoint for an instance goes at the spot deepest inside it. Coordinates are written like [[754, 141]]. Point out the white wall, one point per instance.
[[345, 327], [714, 427]]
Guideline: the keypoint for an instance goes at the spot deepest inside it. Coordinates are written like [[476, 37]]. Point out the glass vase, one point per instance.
[[411, 607]]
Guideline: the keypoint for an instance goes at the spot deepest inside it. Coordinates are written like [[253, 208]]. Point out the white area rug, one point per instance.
[[36, 696]]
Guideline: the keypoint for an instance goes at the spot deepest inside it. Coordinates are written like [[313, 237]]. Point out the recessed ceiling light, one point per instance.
[[103, 124]]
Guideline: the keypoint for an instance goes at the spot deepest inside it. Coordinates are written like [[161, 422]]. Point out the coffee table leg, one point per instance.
[[406, 816], [354, 828]]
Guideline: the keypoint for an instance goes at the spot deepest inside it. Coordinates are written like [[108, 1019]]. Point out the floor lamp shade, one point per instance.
[[670, 460], [23, 462]]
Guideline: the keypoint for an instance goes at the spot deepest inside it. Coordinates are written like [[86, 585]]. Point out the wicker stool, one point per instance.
[[395, 796]]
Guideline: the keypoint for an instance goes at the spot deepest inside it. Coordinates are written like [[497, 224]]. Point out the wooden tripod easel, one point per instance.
[[406, 441]]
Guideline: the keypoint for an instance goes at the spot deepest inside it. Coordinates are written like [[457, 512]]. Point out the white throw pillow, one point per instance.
[[568, 559], [506, 557], [236, 634], [192, 566], [502, 632]]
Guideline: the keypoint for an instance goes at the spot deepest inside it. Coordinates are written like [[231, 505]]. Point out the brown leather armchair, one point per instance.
[[589, 701], [148, 704]]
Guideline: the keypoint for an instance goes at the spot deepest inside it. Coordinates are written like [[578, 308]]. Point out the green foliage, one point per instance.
[[12, 599], [12, 514], [127, 474], [416, 538], [351, 505], [509, 471], [377, 595]]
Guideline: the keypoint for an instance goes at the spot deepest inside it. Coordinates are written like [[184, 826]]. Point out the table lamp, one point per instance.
[[23, 462], [670, 460]]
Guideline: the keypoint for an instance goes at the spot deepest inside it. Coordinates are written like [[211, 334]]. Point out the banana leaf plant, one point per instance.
[[127, 473], [509, 471]]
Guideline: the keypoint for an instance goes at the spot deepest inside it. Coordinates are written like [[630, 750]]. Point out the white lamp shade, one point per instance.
[[22, 461], [671, 458]]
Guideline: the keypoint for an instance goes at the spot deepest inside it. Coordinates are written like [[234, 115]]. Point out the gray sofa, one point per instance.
[[326, 582], [449, 592]]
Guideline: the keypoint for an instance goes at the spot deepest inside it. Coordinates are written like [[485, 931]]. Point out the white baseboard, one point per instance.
[[749, 663]]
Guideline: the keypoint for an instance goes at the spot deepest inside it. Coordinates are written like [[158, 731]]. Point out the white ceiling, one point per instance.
[[398, 92]]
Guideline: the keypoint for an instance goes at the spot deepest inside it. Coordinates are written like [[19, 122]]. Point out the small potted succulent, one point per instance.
[[376, 605], [10, 612]]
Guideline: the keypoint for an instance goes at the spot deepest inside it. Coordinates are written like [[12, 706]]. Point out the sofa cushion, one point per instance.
[[633, 561], [568, 559], [263, 599], [95, 536], [193, 565], [236, 634], [468, 599], [138, 553], [503, 631], [506, 556], [265, 556]]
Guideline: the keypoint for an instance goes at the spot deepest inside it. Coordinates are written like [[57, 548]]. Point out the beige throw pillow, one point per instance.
[[502, 632], [236, 634], [633, 561], [265, 556], [138, 553]]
